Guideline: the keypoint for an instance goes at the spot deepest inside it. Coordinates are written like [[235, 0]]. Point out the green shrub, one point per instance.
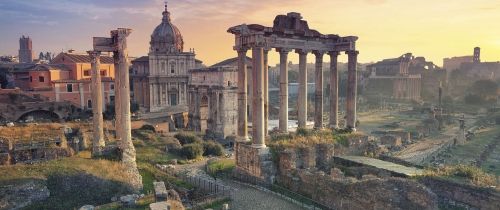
[[147, 127], [186, 138], [212, 148], [192, 151]]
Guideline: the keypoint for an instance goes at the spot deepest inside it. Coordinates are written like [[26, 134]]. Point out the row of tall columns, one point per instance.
[[98, 143], [260, 96]]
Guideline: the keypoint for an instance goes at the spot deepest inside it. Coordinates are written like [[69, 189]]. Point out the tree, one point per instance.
[[486, 89]]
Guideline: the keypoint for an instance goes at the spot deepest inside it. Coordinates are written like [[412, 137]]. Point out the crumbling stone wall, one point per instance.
[[374, 193], [256, 162], [461, 195]]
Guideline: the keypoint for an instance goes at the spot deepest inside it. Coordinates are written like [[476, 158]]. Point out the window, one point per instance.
[[112, 86], [228, 83], [103, 73], [172, 68], [69, 88], [31, 79], [41, 79], [89, 104], [86, 73]]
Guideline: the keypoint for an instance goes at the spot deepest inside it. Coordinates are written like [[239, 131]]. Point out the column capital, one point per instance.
[[241, 49], [352, 52], [333, 53], [318, 53], [302, 51], [94, 53], [266, 50], [283, 50]]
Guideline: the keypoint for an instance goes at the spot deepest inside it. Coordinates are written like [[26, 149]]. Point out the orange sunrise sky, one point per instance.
[[386, 28]]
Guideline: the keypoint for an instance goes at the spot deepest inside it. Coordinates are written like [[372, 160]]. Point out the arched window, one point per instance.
[[172, 68]]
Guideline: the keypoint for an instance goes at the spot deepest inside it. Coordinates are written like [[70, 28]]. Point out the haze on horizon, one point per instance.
[[386, 28]]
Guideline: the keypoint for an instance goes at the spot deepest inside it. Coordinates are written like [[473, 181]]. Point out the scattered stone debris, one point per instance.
[[129, 200], [87, 207]]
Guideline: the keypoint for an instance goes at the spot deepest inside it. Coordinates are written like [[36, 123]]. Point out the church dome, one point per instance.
[[166, 37]]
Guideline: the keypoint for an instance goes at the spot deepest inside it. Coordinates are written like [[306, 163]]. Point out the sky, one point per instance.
[[386, 28]]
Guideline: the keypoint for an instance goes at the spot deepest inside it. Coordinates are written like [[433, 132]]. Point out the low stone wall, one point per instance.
[[256, 162], [343, 193], [461, 195]]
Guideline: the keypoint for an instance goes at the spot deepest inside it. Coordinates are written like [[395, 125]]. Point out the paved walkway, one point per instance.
[[249, 198], [389, 166]]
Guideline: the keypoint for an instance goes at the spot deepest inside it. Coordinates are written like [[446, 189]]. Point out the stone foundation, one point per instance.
[[255, 162]]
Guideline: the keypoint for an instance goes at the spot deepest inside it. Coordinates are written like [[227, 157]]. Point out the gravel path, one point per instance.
[[249, 198]]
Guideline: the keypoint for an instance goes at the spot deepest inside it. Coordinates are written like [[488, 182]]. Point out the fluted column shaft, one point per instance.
[[258, 97], [98, 143], [302, 99], [352, 87], [242, 95], [283, 118], [318, 93], [334, 89]]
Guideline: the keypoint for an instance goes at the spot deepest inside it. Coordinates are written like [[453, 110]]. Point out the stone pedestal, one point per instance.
[[254, 162]]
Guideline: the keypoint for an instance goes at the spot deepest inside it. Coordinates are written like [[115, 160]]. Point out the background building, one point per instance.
[[25, 50], [160, 79]]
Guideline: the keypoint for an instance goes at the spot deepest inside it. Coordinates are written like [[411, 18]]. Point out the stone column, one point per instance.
[[242, 95], [118, 91], [98, 123], [318, 93], [258, 98], [128, 149], [334, 90], [283, 119], [302, 99], [266, 93], [352, 87]]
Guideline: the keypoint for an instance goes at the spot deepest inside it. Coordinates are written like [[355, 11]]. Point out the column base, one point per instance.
[[242, 139], [334, 126], [257, 146]]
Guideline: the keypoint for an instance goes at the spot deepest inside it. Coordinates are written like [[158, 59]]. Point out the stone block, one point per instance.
[[159, 206], [87, 207], [129, 200], [391, 140], [161, 193]]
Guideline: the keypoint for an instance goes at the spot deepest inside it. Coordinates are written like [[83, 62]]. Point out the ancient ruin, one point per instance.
[[288, 33], [212, 101], [117, 44]]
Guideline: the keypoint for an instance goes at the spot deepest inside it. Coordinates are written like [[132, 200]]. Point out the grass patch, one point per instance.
[[464, 173], [221, 167]]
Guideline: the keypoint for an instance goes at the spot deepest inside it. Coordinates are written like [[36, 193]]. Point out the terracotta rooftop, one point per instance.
[[230, 61], [82, 58]]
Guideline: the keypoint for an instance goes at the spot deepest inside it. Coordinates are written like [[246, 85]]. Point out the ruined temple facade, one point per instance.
[[213, 101], [289, 33], [396, 77], [160, 79]]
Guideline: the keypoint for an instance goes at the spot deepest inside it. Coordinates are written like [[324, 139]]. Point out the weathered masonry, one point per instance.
[[289, 33]]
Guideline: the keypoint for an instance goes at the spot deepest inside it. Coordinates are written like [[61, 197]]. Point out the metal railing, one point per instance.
[[214, 191]]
